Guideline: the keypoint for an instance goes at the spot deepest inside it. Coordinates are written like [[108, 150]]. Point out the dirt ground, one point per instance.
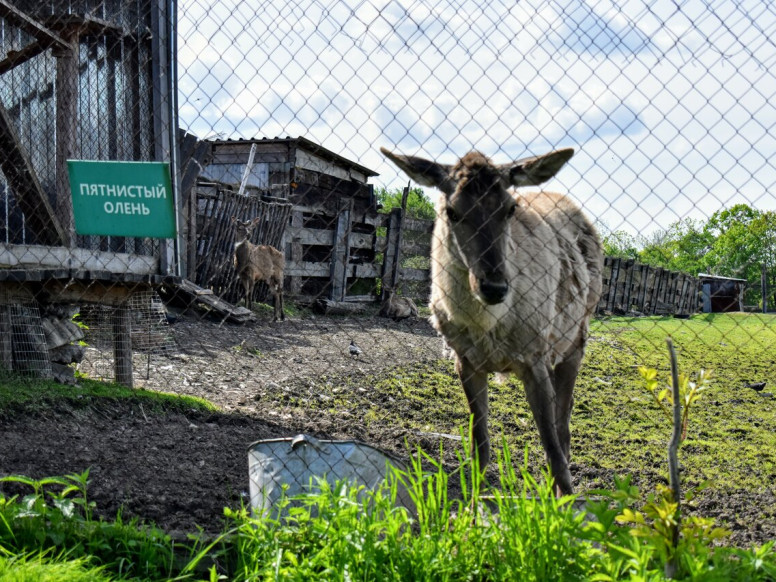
[[179, 470]]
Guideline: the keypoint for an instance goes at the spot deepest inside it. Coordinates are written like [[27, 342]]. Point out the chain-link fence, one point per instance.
[[277, 111]]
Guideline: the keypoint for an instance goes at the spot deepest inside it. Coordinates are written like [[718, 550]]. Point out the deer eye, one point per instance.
[[452, 214]]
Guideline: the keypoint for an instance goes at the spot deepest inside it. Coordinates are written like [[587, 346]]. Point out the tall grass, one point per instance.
[[515, 531]]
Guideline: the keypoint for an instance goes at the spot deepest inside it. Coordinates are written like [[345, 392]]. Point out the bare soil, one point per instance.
[[180, 469]]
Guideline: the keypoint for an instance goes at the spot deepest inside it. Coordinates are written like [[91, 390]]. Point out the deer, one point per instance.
[[397, 307], [258, 263], [515, 279]]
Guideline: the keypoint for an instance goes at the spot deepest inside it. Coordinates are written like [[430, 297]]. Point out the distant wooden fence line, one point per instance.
[[631, 287]]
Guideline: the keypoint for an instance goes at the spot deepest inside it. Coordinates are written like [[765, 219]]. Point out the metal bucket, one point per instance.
[[300, 461]]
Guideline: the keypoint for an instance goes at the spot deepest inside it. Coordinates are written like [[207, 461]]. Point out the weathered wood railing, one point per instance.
[[631, 287]]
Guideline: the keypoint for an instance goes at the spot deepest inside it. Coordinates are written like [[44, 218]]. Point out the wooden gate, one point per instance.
[[216, 204]]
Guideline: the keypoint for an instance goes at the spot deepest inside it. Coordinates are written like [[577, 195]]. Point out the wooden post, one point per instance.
[[630, 266], [764, 287], [164, 95], [6, 342], [297, 252], [642, 291], [122, 345], [611, 301], [67, 116], [340, 253], [392, 256]]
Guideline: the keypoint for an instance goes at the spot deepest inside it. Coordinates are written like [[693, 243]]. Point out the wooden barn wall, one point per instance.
[[636, 289], [114, 112], [346, 252]]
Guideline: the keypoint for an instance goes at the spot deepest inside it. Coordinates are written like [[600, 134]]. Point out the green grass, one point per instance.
[[33, 394], [617, 428], [336, 532], [39, 568]]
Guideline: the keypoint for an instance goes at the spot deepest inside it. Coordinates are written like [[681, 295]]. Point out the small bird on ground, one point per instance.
[[756, 386], [355, 351]]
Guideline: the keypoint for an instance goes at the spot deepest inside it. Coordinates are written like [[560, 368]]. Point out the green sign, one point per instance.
[[122, 198]]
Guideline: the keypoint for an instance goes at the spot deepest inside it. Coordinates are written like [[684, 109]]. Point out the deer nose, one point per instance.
[[493, 292]]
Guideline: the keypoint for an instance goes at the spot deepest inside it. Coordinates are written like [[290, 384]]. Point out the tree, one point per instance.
[[620, 243], [683, 246], [744, 241], [418, 204]]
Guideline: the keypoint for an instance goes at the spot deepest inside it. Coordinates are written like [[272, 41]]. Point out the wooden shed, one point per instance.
[[721, 294], [89, 80], [329, 237]]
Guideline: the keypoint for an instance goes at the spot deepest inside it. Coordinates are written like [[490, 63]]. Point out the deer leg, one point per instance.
[[249, 286], [279, 298], [538, 380], [565, 378], [475, 386]]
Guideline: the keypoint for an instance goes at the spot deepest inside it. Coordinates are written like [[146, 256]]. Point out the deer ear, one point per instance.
[[424, 172], [535, 170]]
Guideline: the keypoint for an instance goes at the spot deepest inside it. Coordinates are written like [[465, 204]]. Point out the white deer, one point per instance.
[[515, 280]]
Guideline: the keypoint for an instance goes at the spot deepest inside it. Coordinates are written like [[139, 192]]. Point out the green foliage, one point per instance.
[[516, 531], [418, 204], [734, 242], [57, 516], [682, 247], [42, 568], [38, 395], [689, 393], [620, 244]]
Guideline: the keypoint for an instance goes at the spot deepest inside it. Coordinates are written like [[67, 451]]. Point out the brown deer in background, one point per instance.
[[515, 280], [397, 307], [258, 263]]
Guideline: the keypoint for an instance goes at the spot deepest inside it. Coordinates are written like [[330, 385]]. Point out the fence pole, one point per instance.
[[392, 257], [340, 254], [122, 345], [764, 287]]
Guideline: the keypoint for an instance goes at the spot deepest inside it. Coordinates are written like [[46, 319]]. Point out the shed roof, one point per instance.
[[303, 143], [719, 278]]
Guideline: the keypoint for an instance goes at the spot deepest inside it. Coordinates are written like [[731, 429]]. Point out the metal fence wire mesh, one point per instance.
[[654, 122]]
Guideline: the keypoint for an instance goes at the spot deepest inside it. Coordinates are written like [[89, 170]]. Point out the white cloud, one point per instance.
[[670, 105]]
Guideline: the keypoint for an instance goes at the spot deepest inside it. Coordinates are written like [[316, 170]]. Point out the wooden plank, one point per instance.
[[641, 294], [613, 280], [340, 254], [418, 225], [122, 346], [630, 267], [41, 33], [67, 80], [30, 196], [307, 269], [392, 257], [309, 236], [38, 256], [16, 58]]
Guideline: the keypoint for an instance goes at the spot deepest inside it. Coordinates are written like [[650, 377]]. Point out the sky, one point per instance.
[[670, 106]]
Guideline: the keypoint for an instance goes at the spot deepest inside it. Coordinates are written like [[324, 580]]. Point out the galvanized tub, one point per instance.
[[299, 461]]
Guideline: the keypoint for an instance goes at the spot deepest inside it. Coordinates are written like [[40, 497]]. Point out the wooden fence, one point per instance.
[[337, 254], [340, 255], [634, 288]]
